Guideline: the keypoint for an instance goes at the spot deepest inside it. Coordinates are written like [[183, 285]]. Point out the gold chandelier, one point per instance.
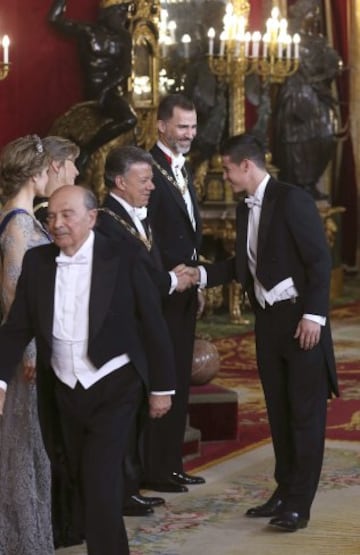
[[275, 54]]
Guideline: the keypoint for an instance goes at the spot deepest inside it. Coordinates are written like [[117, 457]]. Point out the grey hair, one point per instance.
[[120, 160]]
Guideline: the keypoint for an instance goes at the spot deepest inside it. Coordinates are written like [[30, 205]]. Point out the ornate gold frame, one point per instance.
[[144, 30]]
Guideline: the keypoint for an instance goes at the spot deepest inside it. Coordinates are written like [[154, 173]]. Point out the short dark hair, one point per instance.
[[120, 159], [171, 101], [244, 146]]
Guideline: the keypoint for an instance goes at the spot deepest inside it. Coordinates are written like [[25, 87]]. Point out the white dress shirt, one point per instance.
[[69, 358]]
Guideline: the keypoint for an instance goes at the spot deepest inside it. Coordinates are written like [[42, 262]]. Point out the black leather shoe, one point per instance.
[[270, 508], [187, 479], [132, 507], [289, 521], [146, 501], [166, 486]]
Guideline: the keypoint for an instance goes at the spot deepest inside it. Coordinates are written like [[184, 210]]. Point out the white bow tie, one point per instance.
[[140, 213], [177, 163], [252, 201], [63, 260]]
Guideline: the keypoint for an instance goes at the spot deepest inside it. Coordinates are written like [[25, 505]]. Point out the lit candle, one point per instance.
[[296, 41], [5, 45], [228, 18], [172, 29], [211, 36], [241, 24], [269, 26], [222, 43], [275, 12], [163, 15], [256, 37], [288, 47], [186, 40], [283, 26], [275, 23]]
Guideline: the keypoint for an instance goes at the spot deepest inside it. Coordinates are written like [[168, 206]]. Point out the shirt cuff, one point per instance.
[[174, 282], [3, 385], [315, 318], [172, 392], [203, 277]]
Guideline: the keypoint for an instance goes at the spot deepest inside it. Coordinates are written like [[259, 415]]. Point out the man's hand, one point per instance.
[[187, 277], [159, 405], [179, 270], [194, 273], [2, 400], [183, 282], [308, 333]]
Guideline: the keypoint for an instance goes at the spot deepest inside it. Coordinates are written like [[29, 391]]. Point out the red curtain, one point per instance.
[[44, 78], [345, 189]]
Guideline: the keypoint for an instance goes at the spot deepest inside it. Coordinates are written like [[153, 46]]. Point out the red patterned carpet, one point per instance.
[[239, 373]]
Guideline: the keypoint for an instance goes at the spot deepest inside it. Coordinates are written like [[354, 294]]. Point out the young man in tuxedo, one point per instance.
[[101, 344], [283, 262], [175, 220], [123, 216]]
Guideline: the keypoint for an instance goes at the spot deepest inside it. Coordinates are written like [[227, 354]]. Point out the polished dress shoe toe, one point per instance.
[[134, 507], [289, 521], [169, 486], [187, 479], [268, 509], [147, 501]]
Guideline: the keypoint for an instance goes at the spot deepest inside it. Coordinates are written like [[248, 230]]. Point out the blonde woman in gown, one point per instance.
[[25, 498]]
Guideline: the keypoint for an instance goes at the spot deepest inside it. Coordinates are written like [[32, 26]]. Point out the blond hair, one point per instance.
[[60, 149], [20, 160]]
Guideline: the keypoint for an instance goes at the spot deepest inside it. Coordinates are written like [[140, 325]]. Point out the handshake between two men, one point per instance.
[[187, 276]]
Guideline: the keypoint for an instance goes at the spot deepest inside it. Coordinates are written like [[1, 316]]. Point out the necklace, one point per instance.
[[148, 242], [173, 181]]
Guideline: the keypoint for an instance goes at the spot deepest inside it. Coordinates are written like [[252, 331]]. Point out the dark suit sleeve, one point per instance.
[[307, 230], [155, 334], [220, 272], [161, 278], [17, 331], [114, 231]]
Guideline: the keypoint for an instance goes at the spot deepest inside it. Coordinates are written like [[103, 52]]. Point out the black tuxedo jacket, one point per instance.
[[291, 243], [114, 230], [174, 233], [124, 317]]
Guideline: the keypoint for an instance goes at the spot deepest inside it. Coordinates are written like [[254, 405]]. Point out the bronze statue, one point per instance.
[[305, 114], [105, 49]]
